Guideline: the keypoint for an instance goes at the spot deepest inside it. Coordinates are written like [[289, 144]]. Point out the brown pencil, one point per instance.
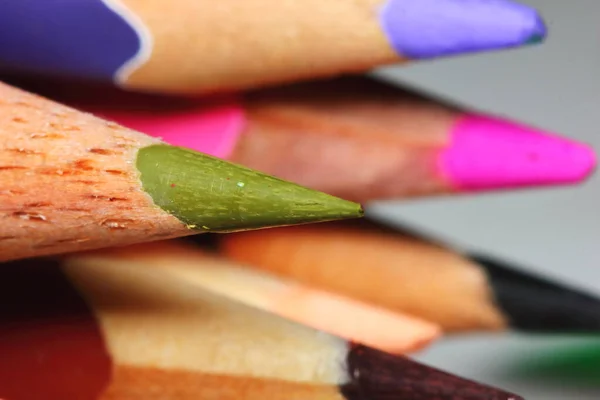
[[403, 272], [351, 137], [70, 181], [125, 332]]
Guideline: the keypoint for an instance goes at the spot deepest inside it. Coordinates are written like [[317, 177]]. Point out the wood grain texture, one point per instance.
[[68, 181], [203, 47], [352, 137], [147, 383], [375, 265], [125, 332]]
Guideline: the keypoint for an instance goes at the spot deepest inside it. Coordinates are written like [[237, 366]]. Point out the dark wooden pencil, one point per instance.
[[80, 331]]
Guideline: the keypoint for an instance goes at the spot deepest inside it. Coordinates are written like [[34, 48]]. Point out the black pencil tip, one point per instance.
[[380, 376], [536, 304]]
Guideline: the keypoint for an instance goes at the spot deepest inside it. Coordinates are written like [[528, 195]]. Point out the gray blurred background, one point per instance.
[[554, 231]]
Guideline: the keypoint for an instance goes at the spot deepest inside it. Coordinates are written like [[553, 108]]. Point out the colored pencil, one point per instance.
[[201, 47], [70, 181], [394, 333], [404, 272], [351, 137], [125, 332]]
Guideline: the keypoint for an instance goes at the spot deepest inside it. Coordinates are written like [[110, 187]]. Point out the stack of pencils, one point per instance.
[[130, 126]]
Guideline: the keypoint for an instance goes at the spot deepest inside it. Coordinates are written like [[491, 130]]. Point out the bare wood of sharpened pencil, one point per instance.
[[71, 182], [300, 131], [392, 332], [399, 273], [142, 333], [47, 190], [242, 40]]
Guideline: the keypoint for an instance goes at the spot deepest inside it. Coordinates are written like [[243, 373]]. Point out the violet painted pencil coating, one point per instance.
[[432, 28], [188, 46]]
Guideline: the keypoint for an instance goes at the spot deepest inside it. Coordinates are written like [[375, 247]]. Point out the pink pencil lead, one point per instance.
[[493, 153]]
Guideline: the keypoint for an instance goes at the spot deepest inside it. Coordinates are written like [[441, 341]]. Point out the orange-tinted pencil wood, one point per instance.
[[119, 331], [355, 321], [70, 181], [364, 262]]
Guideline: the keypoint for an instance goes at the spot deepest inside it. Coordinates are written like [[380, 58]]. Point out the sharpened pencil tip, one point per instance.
[[536, 304], [489, 153], [422, 29], [212, 195], [535, 39], [539, 33], [375, 375]]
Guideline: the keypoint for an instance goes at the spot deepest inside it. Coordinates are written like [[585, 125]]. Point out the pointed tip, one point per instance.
[[536, 304], [487, 153], [212, 195], [421, 29], [534, 39], [538, 33], [327, 208], [375, 375]]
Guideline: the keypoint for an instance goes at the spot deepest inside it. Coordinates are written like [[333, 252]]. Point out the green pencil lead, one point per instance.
[[204, 191]]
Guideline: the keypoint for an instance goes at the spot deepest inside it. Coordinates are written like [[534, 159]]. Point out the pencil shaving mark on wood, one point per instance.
[[38, 204], [104, 152], [116, 172], [30, 216], [46, 136], [24, 151], [107, 198]]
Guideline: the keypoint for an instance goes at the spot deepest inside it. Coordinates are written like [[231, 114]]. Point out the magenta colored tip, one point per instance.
[[487, 153]]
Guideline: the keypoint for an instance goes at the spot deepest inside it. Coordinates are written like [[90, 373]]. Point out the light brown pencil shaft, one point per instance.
[[58, 194], [354, 137], [232, 44], [125, 332], [392, 332], [148, 383], [159, 327], [391, 271]]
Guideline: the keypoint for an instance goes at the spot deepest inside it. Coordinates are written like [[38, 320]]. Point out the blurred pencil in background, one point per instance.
[[403, 272], [202, 47], [379, 328], [71, 182], [79, 330], [352, 137]]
